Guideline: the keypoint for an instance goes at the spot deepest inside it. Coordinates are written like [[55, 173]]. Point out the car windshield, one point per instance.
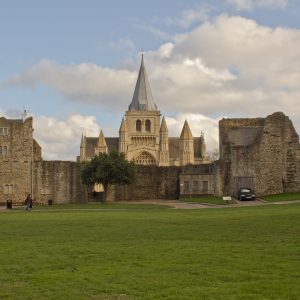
[[245, 191]]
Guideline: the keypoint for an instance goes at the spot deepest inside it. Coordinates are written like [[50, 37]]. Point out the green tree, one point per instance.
[[108, 169]]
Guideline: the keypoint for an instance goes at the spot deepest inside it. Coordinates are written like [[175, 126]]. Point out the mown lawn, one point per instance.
[[207, 199], [282, 197], [231, 253]]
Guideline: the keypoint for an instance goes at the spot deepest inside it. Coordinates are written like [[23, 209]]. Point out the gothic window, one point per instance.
[[148, 125], [145, 159], [3, 150], [138, 125]]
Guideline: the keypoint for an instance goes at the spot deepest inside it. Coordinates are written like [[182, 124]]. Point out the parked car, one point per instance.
[[245, 194]]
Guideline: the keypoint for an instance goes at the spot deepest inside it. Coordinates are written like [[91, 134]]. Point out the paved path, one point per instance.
[[176, 204]]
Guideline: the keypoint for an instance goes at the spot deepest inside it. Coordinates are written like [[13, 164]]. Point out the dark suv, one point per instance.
[[245, 194]]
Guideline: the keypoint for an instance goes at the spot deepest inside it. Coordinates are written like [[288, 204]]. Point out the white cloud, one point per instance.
[[191, 16], [227, 66], [251, 4], [198, 123], [60, 139]]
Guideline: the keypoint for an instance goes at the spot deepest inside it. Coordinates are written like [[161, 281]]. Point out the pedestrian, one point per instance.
[[28, 202]]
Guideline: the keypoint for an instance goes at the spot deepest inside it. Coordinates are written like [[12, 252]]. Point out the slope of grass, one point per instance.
[[233, 253], [282, 197]]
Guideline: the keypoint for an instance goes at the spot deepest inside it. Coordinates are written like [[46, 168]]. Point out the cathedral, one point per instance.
[[143, 136]]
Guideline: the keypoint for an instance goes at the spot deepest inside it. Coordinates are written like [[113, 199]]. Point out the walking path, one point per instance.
[[176, 204]]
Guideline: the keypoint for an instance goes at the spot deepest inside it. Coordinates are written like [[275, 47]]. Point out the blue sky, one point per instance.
[[73, 64]]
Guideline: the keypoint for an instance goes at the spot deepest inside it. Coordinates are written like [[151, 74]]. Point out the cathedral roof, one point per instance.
[[186, 133], [142, 98]]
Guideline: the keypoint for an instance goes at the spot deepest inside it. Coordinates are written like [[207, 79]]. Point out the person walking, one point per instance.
[[28, 202]]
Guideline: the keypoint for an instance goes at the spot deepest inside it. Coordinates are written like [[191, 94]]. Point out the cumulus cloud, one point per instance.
[[198, 124], [251, 4], [60, 139], [84, 82], [226, 66]]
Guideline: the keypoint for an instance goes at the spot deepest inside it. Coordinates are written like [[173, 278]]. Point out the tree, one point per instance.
[[108, 169]]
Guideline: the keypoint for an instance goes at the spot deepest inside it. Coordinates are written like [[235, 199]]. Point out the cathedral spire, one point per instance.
[[101, 140], [142, 98], [123, 127]]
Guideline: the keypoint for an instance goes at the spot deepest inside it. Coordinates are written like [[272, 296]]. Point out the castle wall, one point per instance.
[[59, 181], [262, 152], [16, 157], [152, 182]]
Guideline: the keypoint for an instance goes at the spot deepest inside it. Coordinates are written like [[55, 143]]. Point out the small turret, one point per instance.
[[163, 144], [186, 145], [83, 148], [101, 146], [123, 136]]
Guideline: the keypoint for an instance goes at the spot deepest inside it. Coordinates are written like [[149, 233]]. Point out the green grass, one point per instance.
[[282, 197], [232, 253], [206, 199], [100, 206]]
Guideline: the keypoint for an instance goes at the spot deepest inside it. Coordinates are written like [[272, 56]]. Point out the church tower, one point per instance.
[[186, 145], [163, 144], [101, 145], [142, 123]]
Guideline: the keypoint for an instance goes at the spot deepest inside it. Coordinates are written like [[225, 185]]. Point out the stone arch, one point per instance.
[[145, 158]]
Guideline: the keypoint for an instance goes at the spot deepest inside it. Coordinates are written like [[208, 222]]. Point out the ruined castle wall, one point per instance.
[[59, 181], [16, 156], [265, 149]]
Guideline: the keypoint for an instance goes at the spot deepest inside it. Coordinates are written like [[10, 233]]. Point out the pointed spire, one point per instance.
[[186, 133], [142, 98], [163, 127], [123, 127], [101, 141], [83, 139]]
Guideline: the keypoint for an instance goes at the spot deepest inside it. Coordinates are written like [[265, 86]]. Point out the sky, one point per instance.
[[73, 65]]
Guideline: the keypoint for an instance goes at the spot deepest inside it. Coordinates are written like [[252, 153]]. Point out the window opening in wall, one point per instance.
[[196, 186], [204, 186], [145, 159], [186, 186], [3, 131], [138, 125], [148, 125], [4, 151], [8, 189]]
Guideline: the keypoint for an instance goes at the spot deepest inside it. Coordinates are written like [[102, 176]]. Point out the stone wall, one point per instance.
[[152, 182], [59, 181], [16, 159], [266, 150]]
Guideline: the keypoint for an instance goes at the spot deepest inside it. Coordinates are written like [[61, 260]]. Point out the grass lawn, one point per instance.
[[282, 197], [206, 199], [232, 253]]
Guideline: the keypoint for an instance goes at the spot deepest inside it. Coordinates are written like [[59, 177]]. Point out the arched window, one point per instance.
[[138, 125], [148, 125], [145, 159]]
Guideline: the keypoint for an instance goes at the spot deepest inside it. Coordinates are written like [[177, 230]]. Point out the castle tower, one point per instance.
[[83, 148], [101, 146], [163, 144], [143, 123], [186, 145], [123, 137]]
